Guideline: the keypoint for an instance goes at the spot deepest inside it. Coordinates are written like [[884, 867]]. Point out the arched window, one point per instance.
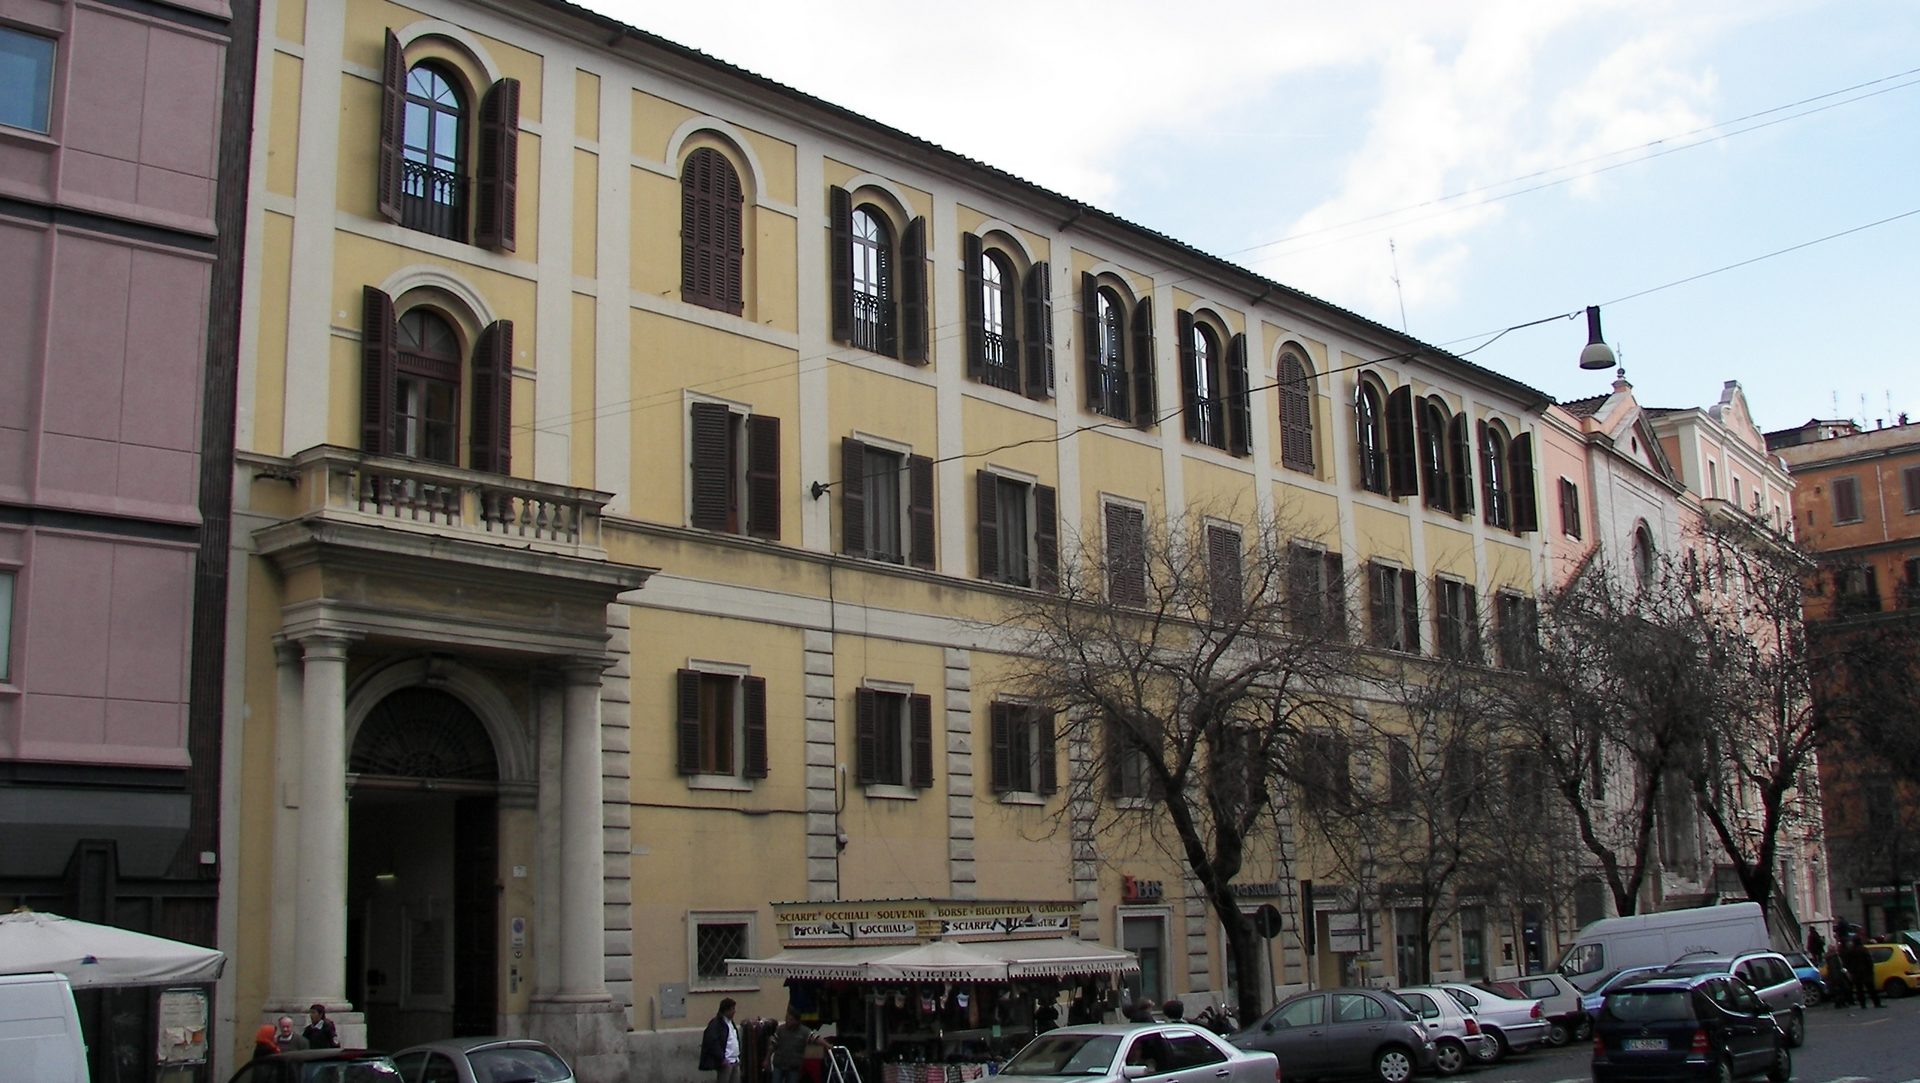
[[1296, 415], [997, 349], [1118, 333], [433, 182], [1370, 436], [1643, 557], [1213, 383], [1206, 384], [447, 165], [426, 414], [710, 232], [872, 281], [1436, 472], [1496, 486]]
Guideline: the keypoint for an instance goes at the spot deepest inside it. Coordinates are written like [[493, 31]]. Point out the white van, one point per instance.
[[1657, 939], [40, 1030]]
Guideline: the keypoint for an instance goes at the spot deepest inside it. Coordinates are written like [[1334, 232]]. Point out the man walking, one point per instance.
[[286, 1037], [1860, 971], [720, 1045]]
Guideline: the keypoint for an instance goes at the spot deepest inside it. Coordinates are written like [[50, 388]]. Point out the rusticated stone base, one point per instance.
[[591, 1035]]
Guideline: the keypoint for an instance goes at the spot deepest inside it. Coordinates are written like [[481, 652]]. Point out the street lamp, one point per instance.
[[1597, 355]]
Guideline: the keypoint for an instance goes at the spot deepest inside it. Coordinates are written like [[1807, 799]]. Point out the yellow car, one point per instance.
[[1895, 970]]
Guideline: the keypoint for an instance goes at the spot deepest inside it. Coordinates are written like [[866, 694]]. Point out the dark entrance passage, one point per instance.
[[423, 927]]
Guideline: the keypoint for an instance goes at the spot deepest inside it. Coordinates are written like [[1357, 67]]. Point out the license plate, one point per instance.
[[1641, 1045]]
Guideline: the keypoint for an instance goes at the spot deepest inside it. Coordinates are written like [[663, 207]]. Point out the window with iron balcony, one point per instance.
[[1117, 335], [1009, 319], [444, 167]]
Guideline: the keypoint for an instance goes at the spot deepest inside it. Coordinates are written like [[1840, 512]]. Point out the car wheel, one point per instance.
[[1449, 1056], [1723, 1071], [1583, 1030], [1782, 1068], [1392, 1065], [1556, 1033], [1493, 1050], [1814, 996], [1895, 987], [1796, 1029]]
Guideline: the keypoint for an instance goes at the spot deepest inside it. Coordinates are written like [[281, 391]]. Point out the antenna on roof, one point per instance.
[[1393, 253]]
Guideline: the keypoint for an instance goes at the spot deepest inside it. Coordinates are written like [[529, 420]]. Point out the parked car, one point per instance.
[[1123, 1052], [482, 1060], [1707, 1027], [1627, 975], [319, 1066], [1812, 979], [1895, 969], [1514, 1024], [1559, 1003], [1457, 1037], [1770, 975], [1343, 1032]]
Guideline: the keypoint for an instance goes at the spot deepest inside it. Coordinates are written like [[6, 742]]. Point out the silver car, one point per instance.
[[482, 1060], [1123, 1052], [1768, 973], [1457, 1038], [1514, 1024]]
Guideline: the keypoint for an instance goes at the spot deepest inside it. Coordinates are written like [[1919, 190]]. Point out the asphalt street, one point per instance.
[[1856, 1045]]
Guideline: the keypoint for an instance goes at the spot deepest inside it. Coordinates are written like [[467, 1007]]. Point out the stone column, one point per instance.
[[321, 939], [283, 979], [582, 845]]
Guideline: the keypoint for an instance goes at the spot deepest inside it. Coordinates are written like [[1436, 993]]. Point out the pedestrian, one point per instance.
[[787, 1053], [1839, 986], [286, 1037], [263, 1043], [1816, 944], [1860, 970], [1174, 1010], [320, 1033], [1046, 1016], [720, 1045], [1081, 1010]]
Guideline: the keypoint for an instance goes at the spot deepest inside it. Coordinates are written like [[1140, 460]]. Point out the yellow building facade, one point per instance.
[[635, 458]]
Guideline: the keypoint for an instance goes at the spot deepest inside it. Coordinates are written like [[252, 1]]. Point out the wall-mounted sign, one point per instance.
[[1346, 932], [1136, 890], [909, 920], [182, 1022]]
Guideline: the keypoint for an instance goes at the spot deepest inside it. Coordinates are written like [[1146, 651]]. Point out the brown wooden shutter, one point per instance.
[[1146, 404], [1189, 373], [763, 477], [1910, 481], [1433, 462], [840, 261], [920, 734], [1227, 590], [1296, 415], [687, 721], [1239, 409], [393, 127], [1336, 597], [1569, 509], [1046, 539], [920, 533], [1410, 611], [496, 181], [1119, 752], [973, 263], [491, 438], [866, 736], [710, 443], [753, 691], [1038, 341], [1460, 445], [1526, 510], [1001, 724], [710, 232], [986, 517], [1403, 473], [1090, 336], [853, 497], [1126, 555], [379, 362], [1044, 740], [1472, 621], [913, 293]]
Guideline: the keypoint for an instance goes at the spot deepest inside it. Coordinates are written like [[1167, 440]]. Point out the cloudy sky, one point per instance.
[[1504, 160]]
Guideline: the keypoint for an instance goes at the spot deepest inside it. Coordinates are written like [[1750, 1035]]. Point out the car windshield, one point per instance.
[[1583, 959], [1065, 1054], [1685, 970], [1397, 1000], [349, 1071], [1650, 1005], [517, 1064]]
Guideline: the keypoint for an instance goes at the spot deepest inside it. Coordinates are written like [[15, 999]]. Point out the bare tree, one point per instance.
[[1185, 659], [1606, 690]]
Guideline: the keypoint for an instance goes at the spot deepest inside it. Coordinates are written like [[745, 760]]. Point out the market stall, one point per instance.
[[936, 990]]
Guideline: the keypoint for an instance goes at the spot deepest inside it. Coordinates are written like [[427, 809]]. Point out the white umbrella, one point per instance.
[[96, 955]]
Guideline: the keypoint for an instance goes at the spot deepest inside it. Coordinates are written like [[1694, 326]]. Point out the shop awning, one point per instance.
[[942, 960]]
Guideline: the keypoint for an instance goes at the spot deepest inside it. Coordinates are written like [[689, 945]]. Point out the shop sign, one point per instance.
[[1134, 890], [1006, 926], [1266, 890], [817, 932]]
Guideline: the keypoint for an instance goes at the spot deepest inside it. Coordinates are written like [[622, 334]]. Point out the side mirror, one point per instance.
[[1133, 1071]]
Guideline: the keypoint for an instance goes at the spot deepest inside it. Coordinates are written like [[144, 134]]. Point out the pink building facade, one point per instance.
[[115, 417]]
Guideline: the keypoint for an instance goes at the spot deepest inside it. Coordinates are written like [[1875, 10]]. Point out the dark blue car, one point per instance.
[[1709, 1027]]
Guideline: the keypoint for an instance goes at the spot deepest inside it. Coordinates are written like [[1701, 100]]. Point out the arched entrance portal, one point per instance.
[[423, 843]]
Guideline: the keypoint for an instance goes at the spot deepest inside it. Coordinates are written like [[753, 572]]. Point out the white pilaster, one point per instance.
[[283, 979], [321, 940], [582, 848], [310, 315]]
